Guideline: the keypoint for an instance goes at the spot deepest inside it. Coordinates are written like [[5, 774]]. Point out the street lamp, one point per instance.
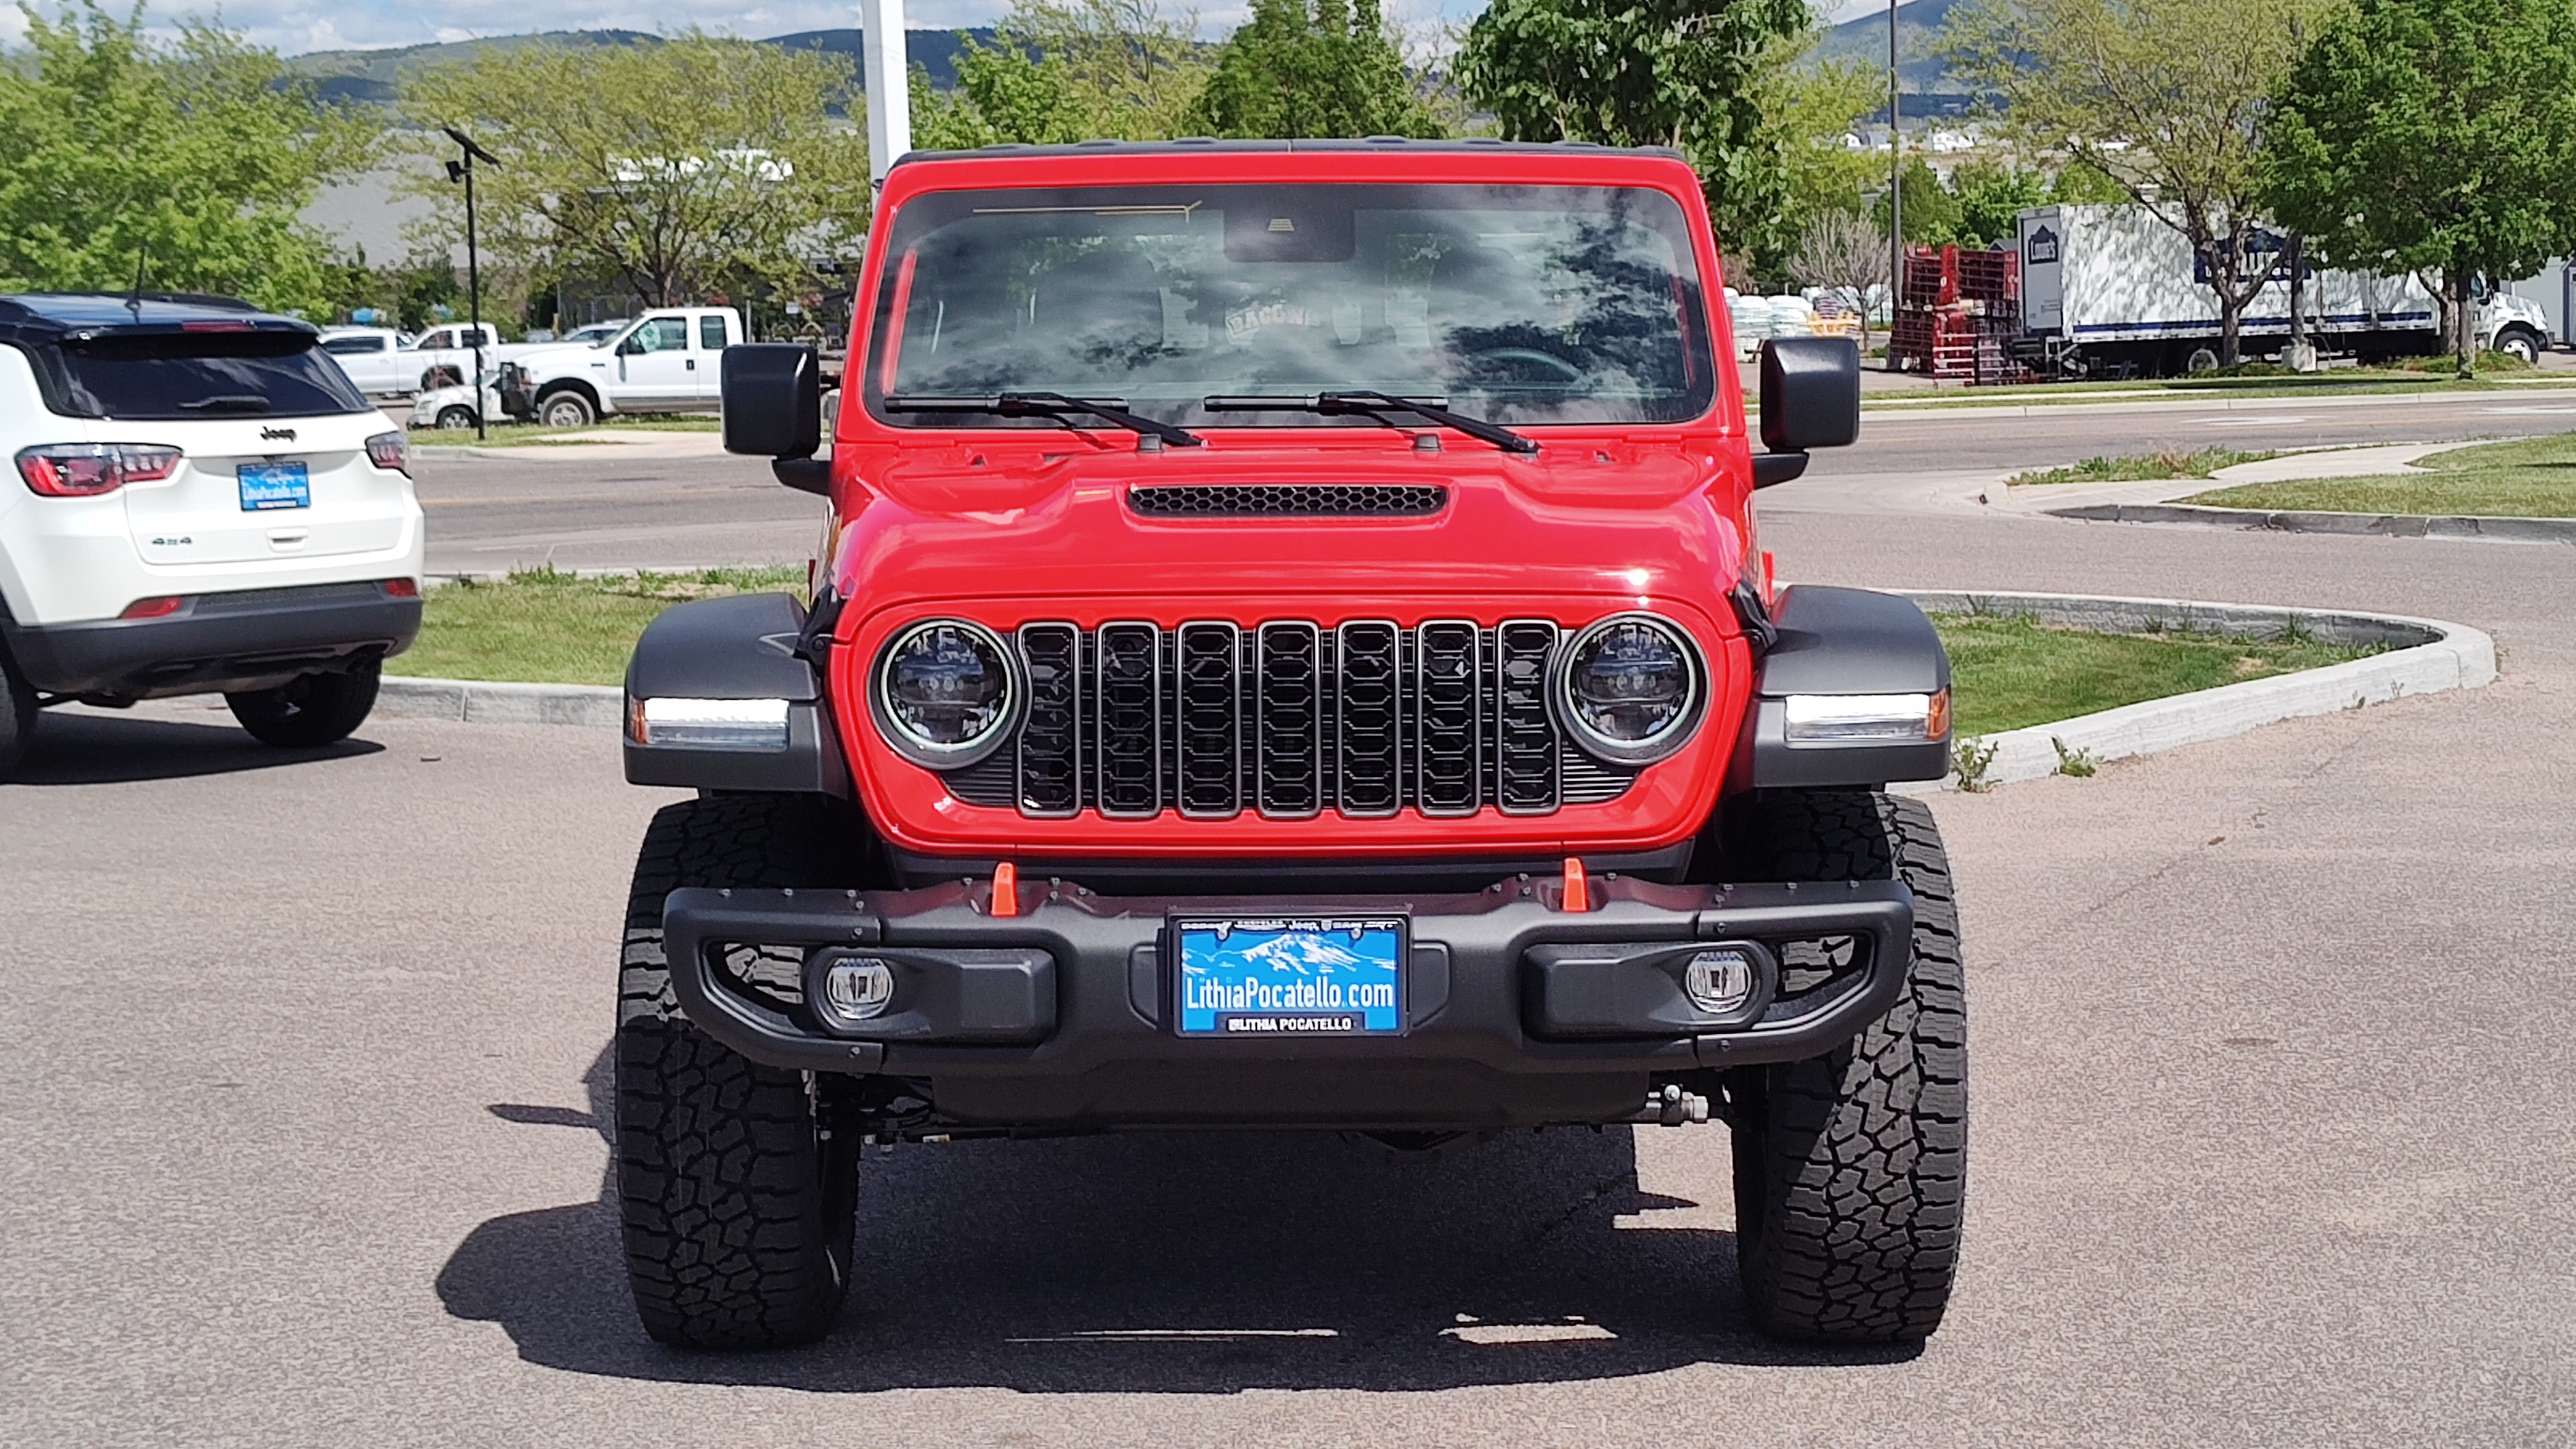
[[463, 170], [1895, 188]]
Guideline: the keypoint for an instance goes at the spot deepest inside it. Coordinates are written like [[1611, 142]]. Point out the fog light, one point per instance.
[[1719, 982], [848, 990]]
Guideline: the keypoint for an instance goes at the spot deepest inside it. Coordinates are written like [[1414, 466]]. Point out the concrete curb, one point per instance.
[[474, 701], [2478, 527], [2425, 657]]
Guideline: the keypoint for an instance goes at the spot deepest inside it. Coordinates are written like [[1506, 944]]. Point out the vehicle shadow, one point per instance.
[[92, 749], [1186, 1263]]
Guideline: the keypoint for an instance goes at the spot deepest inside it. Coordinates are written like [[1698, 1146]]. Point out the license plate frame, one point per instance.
[[274, 487], [1291, 976]]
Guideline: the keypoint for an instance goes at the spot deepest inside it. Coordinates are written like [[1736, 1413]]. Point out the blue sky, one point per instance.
[[294, 26]]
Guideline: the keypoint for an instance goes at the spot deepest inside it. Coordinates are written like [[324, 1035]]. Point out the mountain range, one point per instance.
[[372, 76]]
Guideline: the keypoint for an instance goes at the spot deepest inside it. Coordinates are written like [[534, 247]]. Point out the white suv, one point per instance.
[[202, 503]]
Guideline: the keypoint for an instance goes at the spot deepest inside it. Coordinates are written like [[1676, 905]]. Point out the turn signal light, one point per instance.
[[85, 470]]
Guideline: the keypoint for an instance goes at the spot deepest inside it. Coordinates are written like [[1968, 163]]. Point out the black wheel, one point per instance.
[[1851, 1168], [566, 409], [454, 419], [737, 1196], [17, 716], [311, 709], [2520, 345]]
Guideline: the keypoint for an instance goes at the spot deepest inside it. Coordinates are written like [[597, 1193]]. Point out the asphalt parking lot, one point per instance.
[[2271, 1102]]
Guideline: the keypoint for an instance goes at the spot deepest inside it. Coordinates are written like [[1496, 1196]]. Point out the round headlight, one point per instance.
[[1628, 689], [948, 693]]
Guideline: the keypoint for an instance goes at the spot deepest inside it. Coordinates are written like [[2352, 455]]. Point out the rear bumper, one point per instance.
[[1074, 1029], [245, 639]]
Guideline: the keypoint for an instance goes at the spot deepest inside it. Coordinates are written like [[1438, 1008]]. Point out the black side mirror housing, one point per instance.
[[773, 400], [1810, 393]]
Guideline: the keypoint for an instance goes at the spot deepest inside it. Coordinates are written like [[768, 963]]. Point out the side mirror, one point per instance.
[[631, 345], [1810, 399], [773, 408]]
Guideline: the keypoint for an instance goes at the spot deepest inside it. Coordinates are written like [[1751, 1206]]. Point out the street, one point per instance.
[[2270, 1084], [487, 515]]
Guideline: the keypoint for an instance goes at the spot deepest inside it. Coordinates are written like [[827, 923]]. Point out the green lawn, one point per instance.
[[555, 628], [521, 435], [2524, 478], [2170, 463], [2007, 671]]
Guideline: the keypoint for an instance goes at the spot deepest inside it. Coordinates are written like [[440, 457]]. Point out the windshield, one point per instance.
[[1517, 304]]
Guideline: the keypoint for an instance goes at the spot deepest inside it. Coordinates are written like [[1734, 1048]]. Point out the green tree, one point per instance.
[[2165, 97], [1311, 68], [686, 169], [1067, 70], [194, 156], [1678, 73], [1811, 109], [1991, 196], [2432, 135], [1931, 212]]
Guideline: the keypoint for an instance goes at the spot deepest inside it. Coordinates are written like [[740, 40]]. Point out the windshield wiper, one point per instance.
[[1366, 404], [231, 402], [1046, 405]]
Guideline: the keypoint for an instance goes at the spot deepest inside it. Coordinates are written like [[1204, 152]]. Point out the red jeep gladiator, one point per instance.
[[1290, 651]]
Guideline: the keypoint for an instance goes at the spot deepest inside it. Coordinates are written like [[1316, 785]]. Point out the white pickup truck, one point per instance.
[[382, 364], [666, 361]]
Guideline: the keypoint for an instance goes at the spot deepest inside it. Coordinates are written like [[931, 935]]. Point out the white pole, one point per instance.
[[887, 74]]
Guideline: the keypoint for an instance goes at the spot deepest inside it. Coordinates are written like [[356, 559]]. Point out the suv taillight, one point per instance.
[[85, 470], [390, 451]]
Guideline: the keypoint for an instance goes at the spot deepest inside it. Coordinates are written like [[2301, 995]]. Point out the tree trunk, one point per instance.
[[2231, 326]]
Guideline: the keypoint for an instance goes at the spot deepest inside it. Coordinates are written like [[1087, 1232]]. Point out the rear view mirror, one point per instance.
[[773, 400], [1810, 393]]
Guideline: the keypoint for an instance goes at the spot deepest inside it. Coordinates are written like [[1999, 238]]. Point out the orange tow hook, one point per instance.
[[1006, 890], [1578, 896]]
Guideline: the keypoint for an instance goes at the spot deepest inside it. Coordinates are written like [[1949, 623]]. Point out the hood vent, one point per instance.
[[1290, 500]]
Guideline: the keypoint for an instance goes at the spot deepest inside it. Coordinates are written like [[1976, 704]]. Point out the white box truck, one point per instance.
[[2110, 291]]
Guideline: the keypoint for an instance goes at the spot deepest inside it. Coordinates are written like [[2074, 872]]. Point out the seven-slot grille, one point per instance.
[[1288, 720]]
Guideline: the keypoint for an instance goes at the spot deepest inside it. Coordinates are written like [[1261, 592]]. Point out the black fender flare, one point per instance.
[[746, 646], [1840, 641]]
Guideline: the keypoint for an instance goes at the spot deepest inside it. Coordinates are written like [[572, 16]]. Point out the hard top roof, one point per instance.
[[1204, 145]]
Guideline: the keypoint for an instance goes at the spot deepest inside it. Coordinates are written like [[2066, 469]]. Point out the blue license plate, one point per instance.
[[1248, 976], [266, 486]]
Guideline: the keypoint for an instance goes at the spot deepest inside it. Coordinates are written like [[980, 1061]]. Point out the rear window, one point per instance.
[[352, 346], [162, 376]]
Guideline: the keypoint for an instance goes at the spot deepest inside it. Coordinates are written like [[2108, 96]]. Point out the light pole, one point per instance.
[[464, 171], [1895, 187], [888, 78]]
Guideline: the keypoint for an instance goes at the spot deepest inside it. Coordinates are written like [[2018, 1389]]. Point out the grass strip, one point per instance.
[[2007, 670], [520, 435], [2141, 467], [2011, 671], [547, 627], [2523, 478]]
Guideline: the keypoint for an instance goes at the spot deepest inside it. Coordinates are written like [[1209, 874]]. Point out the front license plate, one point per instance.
[[1246, 976], [267, 486]]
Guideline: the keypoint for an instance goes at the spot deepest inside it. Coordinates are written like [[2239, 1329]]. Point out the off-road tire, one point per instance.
[[737, 1197], [310, 710], [17, 716], [566, 408], [1851, 1168]]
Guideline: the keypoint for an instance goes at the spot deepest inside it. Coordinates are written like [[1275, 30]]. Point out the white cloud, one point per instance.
[[13, 27]]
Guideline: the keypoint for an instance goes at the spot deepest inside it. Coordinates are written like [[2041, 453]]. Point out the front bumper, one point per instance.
[[241, 640], [1503, 1029]]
